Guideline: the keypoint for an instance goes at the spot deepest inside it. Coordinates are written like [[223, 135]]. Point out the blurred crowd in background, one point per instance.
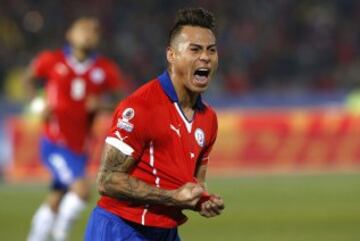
[[273, 53], [273, 46]]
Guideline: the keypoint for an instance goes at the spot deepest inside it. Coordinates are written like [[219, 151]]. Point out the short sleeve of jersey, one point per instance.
[[42, 64], [206, 153], [128, 132]]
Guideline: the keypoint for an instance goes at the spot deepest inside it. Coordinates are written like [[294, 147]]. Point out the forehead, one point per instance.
[[196, 35]]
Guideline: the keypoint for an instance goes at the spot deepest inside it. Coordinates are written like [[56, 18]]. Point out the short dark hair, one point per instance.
[[191, 17]]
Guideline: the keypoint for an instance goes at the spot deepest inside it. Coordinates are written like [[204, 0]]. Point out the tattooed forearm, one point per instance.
[[114, 181], [113, 161]]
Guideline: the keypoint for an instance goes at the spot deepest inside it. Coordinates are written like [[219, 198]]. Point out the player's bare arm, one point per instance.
[[114, 181], [29, 81], [201, 174]]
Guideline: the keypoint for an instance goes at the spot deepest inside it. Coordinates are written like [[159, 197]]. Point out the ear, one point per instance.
[[170, 55]]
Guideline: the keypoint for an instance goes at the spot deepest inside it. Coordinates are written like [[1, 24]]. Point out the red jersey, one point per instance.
[[67, 85], [150, 126]]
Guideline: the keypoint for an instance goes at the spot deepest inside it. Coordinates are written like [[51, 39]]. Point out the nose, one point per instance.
[[205, 56]]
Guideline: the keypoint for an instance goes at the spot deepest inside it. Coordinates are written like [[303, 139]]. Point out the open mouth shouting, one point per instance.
[[201, 76]]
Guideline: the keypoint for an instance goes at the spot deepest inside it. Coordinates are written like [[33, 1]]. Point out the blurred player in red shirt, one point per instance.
[[156, 152], [76, 78]]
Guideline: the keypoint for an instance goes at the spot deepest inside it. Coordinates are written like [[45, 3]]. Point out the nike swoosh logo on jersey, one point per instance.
[[177, 130]]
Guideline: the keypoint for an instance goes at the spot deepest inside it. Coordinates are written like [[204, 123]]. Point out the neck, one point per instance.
[[79, 54], [187, 98]]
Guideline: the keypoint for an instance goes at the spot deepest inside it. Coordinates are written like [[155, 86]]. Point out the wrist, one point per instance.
[[172, 198], [205, 197]]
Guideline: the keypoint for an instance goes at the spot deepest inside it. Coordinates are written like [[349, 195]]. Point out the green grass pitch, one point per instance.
[[262, 208]]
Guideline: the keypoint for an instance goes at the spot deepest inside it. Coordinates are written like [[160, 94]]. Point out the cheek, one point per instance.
[[215, 62], [80, 38], [184, 62], [215, 58], [94, 39]]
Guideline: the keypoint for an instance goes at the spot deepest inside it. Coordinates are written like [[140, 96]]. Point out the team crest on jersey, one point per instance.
[[97, 76], [200, 137], [124, 123], [128, 114]]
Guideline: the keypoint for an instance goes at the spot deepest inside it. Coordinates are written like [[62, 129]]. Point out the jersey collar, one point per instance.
[[78, 67], [67, 50], [169, 89]]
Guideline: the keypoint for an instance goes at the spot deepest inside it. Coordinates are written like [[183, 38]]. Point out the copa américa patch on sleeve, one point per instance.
[[124, 121]]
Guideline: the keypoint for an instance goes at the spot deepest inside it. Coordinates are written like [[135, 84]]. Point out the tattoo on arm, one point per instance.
[[114, 181]]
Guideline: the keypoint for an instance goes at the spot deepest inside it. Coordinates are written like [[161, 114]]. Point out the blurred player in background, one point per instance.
[[76, 79], [156, 153]]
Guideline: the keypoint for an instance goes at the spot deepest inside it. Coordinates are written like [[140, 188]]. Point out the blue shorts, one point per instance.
[[105, 226], [65, 165]]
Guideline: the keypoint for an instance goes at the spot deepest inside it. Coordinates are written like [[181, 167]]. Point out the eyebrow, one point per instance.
[[201, 46]]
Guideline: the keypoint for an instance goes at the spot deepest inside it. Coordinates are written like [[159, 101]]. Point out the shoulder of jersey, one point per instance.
[[209, 108], [103, 60], [57, 52], [146, 95], [48, 53], [50, 56], [148, 91]]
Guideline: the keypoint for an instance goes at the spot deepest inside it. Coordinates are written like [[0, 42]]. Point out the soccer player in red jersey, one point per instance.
[[76, 78], [156, 153]]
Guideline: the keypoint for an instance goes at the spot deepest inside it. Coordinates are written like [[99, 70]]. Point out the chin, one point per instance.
[[199, 89]]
